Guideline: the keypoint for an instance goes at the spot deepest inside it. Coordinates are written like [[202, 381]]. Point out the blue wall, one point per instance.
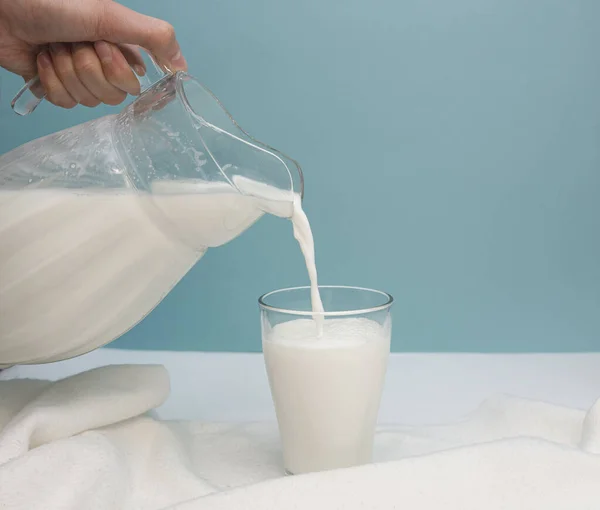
[[452, 157]]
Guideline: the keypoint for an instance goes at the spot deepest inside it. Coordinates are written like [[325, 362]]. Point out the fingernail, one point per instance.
[[44, 60], [139, 70], [178, 62], [104, 52]]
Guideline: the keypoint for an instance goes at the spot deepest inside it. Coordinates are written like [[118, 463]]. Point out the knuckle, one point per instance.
[[165, 32], [85, 64], [85, 60], [63, 67]]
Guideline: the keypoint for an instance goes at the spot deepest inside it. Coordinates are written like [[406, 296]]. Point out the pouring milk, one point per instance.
[[326, 378], [81, 266]]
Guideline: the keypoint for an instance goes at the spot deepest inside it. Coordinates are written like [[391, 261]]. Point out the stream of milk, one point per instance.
[[304, 236]]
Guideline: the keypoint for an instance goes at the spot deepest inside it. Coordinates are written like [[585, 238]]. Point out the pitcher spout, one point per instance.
[[177, 130], [233, 150]]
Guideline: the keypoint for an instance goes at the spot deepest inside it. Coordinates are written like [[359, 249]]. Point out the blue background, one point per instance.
[[452, 157]]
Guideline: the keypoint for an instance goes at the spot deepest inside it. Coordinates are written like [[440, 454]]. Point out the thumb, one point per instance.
[[121, 25]]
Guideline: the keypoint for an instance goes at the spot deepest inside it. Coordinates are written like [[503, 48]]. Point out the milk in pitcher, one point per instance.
[[79, 268]]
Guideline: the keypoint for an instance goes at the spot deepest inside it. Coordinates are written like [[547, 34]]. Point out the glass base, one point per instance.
[[288, 472]]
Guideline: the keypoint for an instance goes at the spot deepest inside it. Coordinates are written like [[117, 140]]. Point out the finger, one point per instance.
[[116, 69], [56, 93], [89, 70], [132, 54], [122, 25], [63, 66], [24, 62]]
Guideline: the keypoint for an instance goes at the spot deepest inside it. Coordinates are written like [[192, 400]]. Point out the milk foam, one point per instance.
[[336, 333]]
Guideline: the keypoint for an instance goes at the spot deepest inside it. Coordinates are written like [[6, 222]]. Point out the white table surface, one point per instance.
[[420, 388]]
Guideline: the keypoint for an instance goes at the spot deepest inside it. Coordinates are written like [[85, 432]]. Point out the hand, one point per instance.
[[83, 50]]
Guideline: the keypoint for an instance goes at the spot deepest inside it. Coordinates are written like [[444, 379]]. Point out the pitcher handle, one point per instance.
[[32, 93]]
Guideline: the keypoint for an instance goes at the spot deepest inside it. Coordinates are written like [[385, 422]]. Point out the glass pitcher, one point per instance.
[[98, 222]]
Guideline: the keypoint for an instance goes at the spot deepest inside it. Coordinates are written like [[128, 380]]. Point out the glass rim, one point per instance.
[[389, 300]]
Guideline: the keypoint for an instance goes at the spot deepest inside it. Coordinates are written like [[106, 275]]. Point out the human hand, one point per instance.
[[82, 50]]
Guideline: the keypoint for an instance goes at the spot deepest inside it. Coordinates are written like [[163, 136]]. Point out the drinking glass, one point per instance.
[[326, 386]]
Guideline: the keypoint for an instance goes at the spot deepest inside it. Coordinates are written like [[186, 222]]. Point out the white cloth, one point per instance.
[[87, 442]]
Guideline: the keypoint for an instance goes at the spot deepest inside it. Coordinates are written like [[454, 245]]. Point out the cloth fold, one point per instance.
[[88, 442]]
